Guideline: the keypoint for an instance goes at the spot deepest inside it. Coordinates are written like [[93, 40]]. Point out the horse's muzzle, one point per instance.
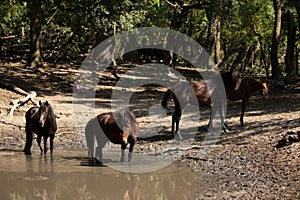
[[41, 123]]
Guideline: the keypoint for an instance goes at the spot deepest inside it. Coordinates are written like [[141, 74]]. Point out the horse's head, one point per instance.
[[265, 89], [43, 112], [127, 122], [237, 78]]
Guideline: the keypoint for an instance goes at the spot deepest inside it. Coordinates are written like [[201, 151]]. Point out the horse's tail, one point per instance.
[[166, 98]]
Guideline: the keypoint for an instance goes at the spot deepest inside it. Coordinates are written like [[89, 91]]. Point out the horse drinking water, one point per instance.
[[41, 121], [118, 128]]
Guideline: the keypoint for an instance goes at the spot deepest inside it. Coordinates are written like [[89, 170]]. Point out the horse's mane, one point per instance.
[[52, 118]]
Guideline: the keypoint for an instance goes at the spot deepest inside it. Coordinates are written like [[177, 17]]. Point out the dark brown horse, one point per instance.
[[41, 121], [247, 88], [184, 93], [118, 128]]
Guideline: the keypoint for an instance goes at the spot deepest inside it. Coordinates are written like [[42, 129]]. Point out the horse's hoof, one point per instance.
[[95, 161], [172, 135], [129, 156], [26, 152]]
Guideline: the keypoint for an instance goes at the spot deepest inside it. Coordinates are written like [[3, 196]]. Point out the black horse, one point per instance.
[[41, 121]]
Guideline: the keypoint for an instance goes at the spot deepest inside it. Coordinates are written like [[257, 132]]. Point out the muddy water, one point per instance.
[[69, 175]]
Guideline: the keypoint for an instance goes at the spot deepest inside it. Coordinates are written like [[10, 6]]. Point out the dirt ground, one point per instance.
[[244, 163]]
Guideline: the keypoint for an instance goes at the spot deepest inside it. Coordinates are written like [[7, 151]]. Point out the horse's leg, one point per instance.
[[175, 120], [173, 123], [211, 116], [38, 140], [222, 110], [91, 130], [244, 105], [51, 142], [100, 145], [28, 144], [123, 147], [132, 143], [45, 143], [223, 113]]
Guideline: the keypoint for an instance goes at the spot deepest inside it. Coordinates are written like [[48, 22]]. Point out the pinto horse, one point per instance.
[[247, 88], [184, 92], [41, 121], [118, 128]]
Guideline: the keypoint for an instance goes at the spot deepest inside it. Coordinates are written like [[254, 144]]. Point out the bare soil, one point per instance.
[[244, 163]]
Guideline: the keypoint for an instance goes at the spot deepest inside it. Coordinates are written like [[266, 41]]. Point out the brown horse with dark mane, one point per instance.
[[247, 88], [184, 92], [41, 121], [118, 128]]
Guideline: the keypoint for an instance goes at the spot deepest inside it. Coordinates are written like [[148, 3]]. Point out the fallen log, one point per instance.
[[13, 88], [16, 104]]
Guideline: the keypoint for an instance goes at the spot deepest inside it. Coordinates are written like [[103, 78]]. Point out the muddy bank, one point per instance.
[[243, 164]]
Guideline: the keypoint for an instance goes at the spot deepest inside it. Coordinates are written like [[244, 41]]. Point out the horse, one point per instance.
[[118, 128], [184, 92], [41, 121], [247, 88]]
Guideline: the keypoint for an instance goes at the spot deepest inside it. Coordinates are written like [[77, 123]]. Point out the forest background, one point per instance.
[[259, 37]]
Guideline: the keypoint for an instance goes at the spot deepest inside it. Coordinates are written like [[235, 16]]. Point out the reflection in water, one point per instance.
[[62, 177]]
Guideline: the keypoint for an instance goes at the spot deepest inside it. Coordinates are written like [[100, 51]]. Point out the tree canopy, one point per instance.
[[257, 36]]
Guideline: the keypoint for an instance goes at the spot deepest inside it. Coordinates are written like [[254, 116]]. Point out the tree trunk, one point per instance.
[[276, 72], [290, 61], [297, 60], [239, 58], [217, 37], [297, 6], [209, 43], [35, 12]]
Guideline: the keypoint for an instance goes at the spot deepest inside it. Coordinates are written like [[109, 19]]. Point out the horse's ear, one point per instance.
[[46, 103], [40, 102], [265, 80]]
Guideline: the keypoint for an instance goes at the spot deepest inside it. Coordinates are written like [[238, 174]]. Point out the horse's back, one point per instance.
[[247, 88], [113, 125], [105, 119], [251, 86], [32, 119], [31, 112], [109, 127]]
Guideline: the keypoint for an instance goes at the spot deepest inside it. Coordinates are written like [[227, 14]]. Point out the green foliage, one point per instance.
[[248, 20], [73, 28], [14, 16]]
